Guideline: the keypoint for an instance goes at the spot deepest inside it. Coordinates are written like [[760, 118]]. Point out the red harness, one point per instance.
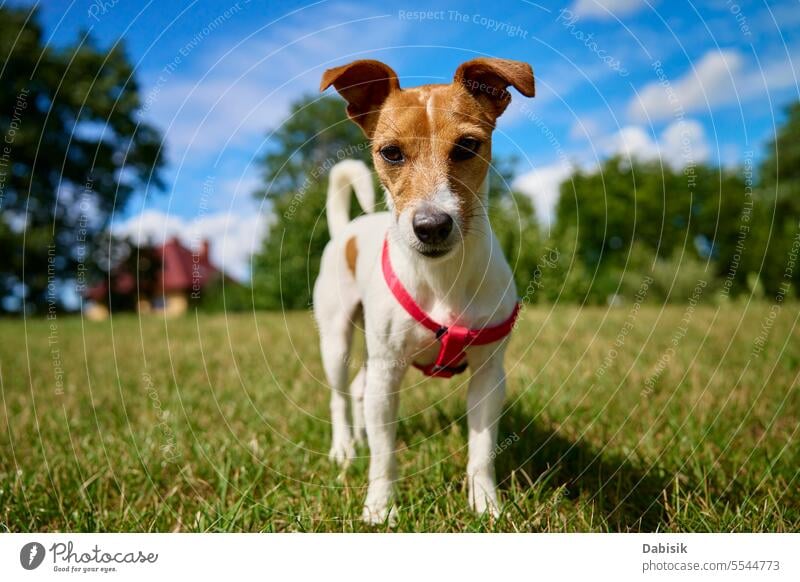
[[453, 339]]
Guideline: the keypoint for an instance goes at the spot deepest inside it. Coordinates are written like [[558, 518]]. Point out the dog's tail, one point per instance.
[[344, 176]]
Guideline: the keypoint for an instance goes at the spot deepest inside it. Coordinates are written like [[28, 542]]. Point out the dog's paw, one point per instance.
[[342, 452], [483, 500], [378, 508], [379, 516], [482, 505]]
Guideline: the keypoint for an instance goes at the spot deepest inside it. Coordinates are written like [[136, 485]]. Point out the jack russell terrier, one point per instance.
[[428, 276]]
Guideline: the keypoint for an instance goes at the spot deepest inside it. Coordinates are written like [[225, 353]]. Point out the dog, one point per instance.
[[428, 277]]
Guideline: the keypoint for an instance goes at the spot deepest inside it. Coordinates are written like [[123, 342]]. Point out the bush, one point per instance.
[[225, 295]]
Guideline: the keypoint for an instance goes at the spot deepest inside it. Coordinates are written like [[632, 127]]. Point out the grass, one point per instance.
[[220, 423]]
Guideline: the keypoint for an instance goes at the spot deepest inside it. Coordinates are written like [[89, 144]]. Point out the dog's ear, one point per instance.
[[488, 79], [365, 85]]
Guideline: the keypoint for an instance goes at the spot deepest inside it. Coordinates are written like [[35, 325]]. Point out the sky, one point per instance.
[[672, 80]]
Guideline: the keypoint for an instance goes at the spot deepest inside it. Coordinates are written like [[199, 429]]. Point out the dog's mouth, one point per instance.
[[434, 252]]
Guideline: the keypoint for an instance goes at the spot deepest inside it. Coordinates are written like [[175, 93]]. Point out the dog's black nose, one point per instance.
[[432, 226]]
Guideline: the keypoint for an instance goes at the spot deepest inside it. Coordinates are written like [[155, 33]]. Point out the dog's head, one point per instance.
[[431, 145]]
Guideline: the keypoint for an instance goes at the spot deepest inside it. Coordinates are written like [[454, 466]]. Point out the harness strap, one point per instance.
[[453, 339]]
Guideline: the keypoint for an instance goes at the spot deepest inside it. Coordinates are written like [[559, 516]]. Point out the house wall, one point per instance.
[[96, 311], [175, 303]]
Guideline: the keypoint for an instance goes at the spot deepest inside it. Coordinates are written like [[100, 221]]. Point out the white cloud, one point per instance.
[[542, 186], [242, 186], [718, 78], [232, 238], [601, 8], [228, 94], [630, 142], [682, 143], [711, 81], [204, 118], [778, 73]]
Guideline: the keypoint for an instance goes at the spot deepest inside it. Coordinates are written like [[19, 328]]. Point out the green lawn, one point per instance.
[[615, 420]]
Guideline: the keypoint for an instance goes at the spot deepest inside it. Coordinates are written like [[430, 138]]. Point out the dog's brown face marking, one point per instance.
[[431, 143], [426, 124], [351, 254]]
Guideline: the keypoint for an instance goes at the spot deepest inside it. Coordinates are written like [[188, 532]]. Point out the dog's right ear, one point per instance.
[[488, 79], [365, 85]]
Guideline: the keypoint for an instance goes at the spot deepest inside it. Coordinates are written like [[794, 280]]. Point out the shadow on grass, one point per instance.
[[629, 497]]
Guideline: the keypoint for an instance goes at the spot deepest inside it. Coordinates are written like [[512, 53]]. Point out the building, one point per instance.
[[166, 279]]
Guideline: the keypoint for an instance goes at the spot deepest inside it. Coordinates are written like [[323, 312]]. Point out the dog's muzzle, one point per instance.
[[432, 228]]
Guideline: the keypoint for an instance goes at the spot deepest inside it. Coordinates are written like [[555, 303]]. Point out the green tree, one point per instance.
[[313, 139], [672, 216], [779, 199], [73, 150], [514, 223], [725, 225], [781, 166], [624, 202]]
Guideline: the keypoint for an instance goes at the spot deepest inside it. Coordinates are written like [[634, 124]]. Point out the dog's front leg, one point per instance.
[[380, 413], [485, 404]]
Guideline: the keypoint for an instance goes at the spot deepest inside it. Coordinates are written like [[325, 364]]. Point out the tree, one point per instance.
[[779, 197], [687, 215], [622, 202], [514, 223], [305, 147], [781, 166], [73, 151]]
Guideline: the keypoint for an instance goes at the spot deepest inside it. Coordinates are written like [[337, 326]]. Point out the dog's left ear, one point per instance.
[[365, 85], [488, 80]]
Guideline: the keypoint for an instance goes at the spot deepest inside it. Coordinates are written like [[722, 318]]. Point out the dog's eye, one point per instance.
[[465, 148], [392, 154]]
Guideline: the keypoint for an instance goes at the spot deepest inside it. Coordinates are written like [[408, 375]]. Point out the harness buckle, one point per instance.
[[452, 341]]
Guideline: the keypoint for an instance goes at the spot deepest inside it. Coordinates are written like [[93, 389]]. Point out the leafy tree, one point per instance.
[[624, 202], [225, 295], [781, 166], [779, 199], [725, 224], [514, 223], [73, 150], [676, 216], [312, 140]]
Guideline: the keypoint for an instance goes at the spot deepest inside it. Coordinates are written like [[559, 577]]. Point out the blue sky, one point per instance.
[[704, 82]]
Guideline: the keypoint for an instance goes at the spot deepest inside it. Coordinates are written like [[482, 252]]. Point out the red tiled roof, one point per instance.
[[179, 270], [182, 270]]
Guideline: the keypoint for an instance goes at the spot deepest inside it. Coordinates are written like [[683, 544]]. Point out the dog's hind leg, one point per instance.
[[357, 405], [335, 338], [336, 305]]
